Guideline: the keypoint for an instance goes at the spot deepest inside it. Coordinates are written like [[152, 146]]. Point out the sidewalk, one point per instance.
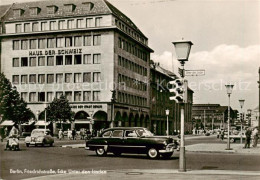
[[154, 174]]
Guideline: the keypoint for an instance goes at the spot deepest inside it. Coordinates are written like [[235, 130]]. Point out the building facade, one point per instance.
[[86, 50]]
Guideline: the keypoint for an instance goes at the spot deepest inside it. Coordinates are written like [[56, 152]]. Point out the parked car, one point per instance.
[[137, 140], [39, 137], [234, 138]]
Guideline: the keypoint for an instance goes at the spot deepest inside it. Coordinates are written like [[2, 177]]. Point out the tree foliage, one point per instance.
[[12, 107], [59, 110]]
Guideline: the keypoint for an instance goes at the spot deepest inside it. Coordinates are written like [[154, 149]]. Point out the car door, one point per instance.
[[133, 143], [116, 141]]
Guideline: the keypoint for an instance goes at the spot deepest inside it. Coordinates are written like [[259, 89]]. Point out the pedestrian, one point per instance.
[[255, 136], [222, 135], [6, 132], [60, 134], [73, 134], [2, 134], [248, 138], [69, 134]]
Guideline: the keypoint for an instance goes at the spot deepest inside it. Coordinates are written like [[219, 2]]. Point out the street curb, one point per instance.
[[74, 146]]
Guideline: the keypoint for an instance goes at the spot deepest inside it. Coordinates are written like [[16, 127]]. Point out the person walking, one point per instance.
[[222, 135], [248, 138], [73, 134], [255, 136], [60, 134], [69, 134]]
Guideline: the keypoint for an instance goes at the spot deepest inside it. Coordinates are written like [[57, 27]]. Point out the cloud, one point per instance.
[[224, 64]]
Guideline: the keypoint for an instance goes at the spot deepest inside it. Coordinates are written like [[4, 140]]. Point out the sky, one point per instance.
[[226, 38]]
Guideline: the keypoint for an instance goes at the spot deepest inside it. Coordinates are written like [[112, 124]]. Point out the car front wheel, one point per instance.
[[153, 153], [100, 151]]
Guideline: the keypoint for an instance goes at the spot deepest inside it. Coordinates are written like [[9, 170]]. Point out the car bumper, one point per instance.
[[169, 149]]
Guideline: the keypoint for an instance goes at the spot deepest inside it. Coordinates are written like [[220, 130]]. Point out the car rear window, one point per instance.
[[107, 134], [118, 133]]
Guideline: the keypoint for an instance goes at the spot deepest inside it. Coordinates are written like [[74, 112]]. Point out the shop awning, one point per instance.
[[7, 123], [82, 122], [28, 123], [42, 123]]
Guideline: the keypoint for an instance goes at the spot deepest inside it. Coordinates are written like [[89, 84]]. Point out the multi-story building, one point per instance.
[[84, 49], [160, 102]]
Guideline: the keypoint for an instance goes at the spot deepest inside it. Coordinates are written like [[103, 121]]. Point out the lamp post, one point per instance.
[[45, 115], [167, 111], [182, 49], [241, 102], [229, 91]]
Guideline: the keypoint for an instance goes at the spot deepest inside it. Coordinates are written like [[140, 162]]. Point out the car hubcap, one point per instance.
[[153, 152], [100, 151]]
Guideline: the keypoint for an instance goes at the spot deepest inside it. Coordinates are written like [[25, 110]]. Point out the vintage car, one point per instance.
[[136, 140], [234, 138], [39, 137]]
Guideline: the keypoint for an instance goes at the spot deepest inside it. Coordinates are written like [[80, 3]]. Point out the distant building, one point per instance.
[[212, 114], [255, 117]]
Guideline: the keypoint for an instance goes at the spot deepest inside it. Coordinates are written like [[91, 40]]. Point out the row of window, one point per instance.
[[86, 77], [130, 32], [132, 83], [58, 25], [57, 60], [132, 66], [131, 99], [75, 96], [132, 48], [59, 42]]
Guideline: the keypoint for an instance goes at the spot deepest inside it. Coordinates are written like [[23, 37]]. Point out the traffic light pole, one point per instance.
[[182, 160]]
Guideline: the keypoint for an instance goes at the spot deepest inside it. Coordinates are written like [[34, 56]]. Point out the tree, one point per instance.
[[59, 110], [11, 105]]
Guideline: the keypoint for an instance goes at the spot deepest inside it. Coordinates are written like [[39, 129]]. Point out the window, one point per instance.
[[26, 27], [98, 22], [96, 40], [35, 26], [68, 78], [53, 25], [87, 6], [80, 23], [59, 78], [44, 26], [89, 22], [50, 61], [15, 79], [96, 96], [77, 78], [96, 77], [50, 78], [24, 44], [78, 41], [41, 43], [18, 28], [24, 96], [24, 61], [62, 24], [59, 60], [51, 9], [87, 77], [96, 58], [32, 79], [60, 42], [130, 133], [70, 24], [77, 96], [68, 60], [68, 96], [33, 44], [69, 7], [49, 96], [87, 40], [51, 43], [41, 78], [107, 134], [17, 12], [15, 62], [87, 96], [68, 41], [16, 45], [117, 133], [34, 11], [24, 79], [58, 94], [77, 59], [41, 61], [32, 97], [87, 59]]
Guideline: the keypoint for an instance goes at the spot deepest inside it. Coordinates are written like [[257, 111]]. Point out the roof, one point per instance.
[[42, 123], [158, 68], [97, 7], [123, 128], [7, 123]]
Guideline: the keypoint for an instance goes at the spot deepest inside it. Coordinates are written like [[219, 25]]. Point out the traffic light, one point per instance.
[[179, 90], [241, 117]]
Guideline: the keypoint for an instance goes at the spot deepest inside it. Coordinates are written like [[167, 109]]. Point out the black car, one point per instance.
[[137, 140]]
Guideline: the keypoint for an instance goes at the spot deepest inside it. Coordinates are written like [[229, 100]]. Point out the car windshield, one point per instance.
[[38, 133], [144, 132]]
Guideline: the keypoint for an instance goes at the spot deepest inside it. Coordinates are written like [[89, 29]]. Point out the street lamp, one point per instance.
[[241, 102], [167, 111], [182, 49], [45, 115], [229, 91]]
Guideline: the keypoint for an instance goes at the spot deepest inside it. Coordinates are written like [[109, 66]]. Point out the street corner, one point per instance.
[[209, 148]]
